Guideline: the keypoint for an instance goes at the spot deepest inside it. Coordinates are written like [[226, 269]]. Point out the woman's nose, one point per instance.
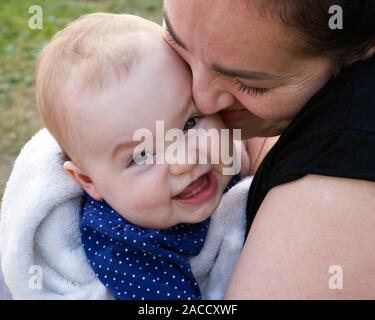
[[208, 91]]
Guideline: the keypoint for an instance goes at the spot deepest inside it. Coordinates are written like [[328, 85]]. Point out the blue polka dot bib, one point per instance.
[[137, 263]]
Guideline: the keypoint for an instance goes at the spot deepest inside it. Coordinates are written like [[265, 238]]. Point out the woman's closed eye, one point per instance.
[[250, 90]]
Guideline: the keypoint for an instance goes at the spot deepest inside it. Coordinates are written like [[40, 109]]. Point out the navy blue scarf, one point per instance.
[[135, 263]]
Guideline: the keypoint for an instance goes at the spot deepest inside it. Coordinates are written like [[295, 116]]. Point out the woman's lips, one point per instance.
[[199, 190], [233, 116]]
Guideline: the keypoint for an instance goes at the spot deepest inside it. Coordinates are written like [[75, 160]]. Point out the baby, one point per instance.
[[99, 81]]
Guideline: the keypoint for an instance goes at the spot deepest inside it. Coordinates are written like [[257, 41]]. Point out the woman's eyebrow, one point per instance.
[[171, 31], [253, 75]]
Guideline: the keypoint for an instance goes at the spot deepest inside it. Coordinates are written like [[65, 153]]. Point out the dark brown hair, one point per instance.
[[310, 19]]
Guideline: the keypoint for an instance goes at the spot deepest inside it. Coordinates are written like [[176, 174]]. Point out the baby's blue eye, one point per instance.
[[143, 157], [191, 123]]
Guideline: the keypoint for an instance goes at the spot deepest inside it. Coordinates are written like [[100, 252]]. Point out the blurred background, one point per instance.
[[19, 47]]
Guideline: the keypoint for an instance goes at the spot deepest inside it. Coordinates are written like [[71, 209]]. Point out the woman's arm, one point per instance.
[[303, 229]]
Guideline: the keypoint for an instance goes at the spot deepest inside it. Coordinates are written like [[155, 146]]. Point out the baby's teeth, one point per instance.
[[197, 190]]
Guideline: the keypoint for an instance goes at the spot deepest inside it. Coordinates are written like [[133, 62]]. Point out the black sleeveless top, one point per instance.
[[333, 135]]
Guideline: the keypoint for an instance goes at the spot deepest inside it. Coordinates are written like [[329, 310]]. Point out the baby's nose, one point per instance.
[[185, 160], [181, 168]]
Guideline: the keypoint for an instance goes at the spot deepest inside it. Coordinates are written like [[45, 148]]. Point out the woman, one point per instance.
[[275, 67]]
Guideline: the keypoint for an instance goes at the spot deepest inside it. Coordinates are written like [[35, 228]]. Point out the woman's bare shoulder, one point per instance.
[[311, 239]]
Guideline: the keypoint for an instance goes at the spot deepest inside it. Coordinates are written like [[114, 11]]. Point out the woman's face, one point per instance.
[[244, 64]]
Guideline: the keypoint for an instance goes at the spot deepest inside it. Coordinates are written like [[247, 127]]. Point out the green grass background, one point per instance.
[[19, 47]]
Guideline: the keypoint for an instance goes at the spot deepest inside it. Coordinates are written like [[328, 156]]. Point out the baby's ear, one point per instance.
[[84, 180]]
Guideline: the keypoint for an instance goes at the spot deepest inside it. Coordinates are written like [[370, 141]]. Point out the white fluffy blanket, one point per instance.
[[40, 247]]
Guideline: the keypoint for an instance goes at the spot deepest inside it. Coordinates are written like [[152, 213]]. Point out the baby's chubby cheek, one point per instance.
[[223, 180], [149, 199]]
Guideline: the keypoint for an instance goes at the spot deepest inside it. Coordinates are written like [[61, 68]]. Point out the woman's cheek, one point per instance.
[[270, 106], [259, 106]]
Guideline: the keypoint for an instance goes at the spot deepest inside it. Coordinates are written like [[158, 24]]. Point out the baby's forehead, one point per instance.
[[154, 94]]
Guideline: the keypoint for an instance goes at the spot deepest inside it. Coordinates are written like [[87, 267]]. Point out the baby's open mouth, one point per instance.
[[199, 190]]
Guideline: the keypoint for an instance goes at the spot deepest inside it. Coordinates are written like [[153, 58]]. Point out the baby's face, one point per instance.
[[149, 195]]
